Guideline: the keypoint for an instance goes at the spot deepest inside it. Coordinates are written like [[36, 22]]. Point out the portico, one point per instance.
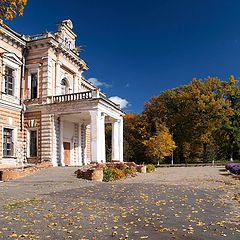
[[73, 129], [74, 132]]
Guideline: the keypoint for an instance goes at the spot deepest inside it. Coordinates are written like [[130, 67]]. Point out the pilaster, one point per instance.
[[46, 134], [83, 144], [47, 77], [57, 78]]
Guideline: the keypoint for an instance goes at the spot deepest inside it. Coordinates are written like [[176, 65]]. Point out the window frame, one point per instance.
[[6, 80], [32, 69], [12, 143], [12, 61], [64, 86], [33, 90]]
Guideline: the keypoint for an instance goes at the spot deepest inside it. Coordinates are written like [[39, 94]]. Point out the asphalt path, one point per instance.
[[194, 203]]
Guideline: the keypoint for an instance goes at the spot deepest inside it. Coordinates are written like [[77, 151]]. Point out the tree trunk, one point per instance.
[[205, 154], [231, 154]]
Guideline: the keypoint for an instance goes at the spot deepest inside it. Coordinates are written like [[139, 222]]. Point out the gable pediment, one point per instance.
[[13, 58]]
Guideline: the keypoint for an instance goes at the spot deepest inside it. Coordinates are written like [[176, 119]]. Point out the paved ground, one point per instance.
[[172, 203]]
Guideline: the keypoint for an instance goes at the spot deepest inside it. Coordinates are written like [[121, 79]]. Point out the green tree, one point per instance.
[[135, 132], [194, 113], [230, 131]]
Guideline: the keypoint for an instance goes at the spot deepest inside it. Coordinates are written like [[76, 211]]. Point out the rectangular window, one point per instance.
[[9, 81], [33, 143], [7, 142], [34, 85]]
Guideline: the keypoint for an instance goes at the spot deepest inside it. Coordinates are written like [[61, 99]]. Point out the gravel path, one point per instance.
[[194, 203]]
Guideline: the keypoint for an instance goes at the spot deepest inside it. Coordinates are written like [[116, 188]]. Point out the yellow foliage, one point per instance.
[[9, 9], [160, 145]]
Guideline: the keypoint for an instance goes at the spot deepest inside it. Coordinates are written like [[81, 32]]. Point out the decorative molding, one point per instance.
[[13, 58], [9, 36], [32, 123]]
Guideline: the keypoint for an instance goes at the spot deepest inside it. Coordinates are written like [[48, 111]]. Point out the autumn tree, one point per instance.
[[9, 9], [194, 113], [229, 133], [161, 144], [135, 132]]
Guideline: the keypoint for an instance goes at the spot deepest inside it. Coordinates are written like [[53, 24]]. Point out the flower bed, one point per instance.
[[233, 168], [110, 171]]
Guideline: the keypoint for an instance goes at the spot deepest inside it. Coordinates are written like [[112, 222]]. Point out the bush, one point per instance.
[[113, 172], [150, 168], [234, 168], [117, 174], [107, 175], [127, 171]]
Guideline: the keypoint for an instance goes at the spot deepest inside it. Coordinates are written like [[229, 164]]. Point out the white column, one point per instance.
[[54, 141], [96, 126], [102, 136], [61, 143], [115, 141], [80, 160], [83, 144], [120, 137]]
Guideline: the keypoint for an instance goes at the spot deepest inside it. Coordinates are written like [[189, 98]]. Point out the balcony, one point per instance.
[[72, 97], [80, 96]]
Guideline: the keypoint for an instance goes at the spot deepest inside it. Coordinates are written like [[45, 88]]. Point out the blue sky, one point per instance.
[[140, 48]]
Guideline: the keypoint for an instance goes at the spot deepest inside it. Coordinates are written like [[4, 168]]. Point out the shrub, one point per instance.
[[150, 168], [233, 168], [107, 175], [117, 174], [127, 171]]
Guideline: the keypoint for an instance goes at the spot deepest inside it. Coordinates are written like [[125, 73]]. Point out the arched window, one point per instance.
[[64, 87]]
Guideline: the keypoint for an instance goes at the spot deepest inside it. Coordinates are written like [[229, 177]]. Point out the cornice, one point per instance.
[[68, 54], [87, 84], [9, 36], [18, 41], [58, 48], [9, 105]]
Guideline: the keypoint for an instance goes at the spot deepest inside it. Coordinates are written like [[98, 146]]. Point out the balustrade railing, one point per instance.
[[94, 94], [72, 97]]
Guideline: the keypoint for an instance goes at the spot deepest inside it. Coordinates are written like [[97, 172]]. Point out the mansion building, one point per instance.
[[48, 111]]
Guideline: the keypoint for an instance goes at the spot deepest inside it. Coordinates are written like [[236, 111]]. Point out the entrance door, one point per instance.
[[66, 146]]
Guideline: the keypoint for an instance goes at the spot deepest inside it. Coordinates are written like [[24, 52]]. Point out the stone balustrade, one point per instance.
[[94, 94], [72, 97]]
